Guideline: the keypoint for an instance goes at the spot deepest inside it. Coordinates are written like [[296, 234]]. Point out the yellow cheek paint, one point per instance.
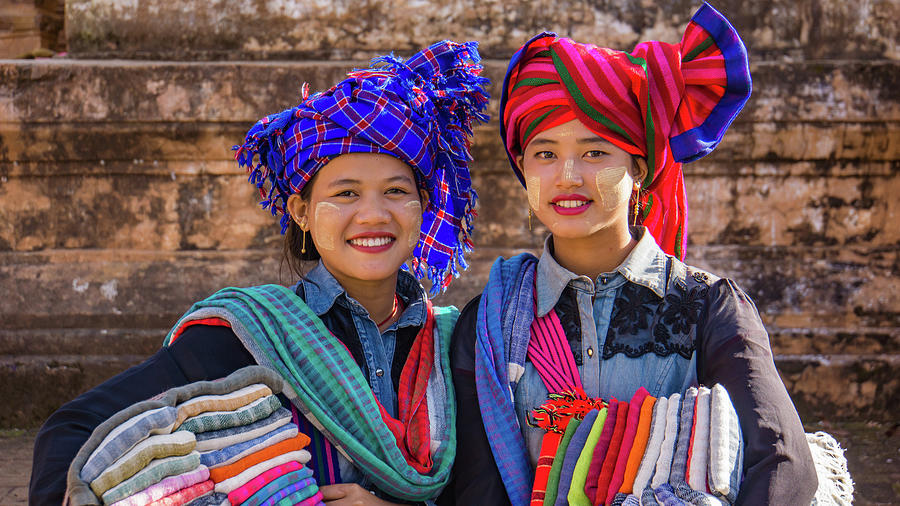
[[612, 186], [327, 217], [533, 187], [414, 208]]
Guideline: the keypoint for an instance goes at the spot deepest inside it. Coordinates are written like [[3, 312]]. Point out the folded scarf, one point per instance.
[[167, 486], [577, 495], [303, 475], [185, 495], [612, 454], [698, 453], [244, 415], [281, 332], [226, 402], [639, 446], [670, 440], [297, 492], [609, 425], [573, 452], [223, 438], [210, 499], [153, 473], [235, 482], [223, 473], [726, 446], [315, 500], [685, 422], [125, 436], [653, 446], [256, 483], [154, 447], [634, 416], [235, 452], [555, 471]]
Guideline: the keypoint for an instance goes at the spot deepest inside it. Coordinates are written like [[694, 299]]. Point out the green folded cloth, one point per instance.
[[154, 447], [245, 415], [153, 473]]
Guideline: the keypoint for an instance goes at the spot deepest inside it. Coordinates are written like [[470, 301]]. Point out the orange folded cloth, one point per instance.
[[640, 444], [298, 442]]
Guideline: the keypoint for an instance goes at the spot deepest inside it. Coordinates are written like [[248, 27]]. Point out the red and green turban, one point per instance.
[[668, 103]]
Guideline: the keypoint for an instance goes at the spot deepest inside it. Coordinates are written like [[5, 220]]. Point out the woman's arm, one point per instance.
[[202, 352], [734, 351], [476, 478]]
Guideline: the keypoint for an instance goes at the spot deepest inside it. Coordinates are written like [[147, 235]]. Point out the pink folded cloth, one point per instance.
[[312, 501], [634, 416], [243, 492], [167, 486], [185, 495]]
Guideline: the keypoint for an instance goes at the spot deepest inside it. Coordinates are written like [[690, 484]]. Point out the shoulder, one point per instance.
[[462, 346]]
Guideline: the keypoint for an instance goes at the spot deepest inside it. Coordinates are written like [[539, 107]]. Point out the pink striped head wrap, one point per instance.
[[668, 103]]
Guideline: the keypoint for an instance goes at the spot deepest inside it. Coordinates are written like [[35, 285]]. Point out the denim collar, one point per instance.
[[323, 291], [645, 266]]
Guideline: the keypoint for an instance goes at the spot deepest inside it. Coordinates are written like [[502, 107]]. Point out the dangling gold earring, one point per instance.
[[530, 214], [637, 201], [303, 240]]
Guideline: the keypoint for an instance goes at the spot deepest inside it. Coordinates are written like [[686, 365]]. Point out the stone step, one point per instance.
[[338, 30], [823, 387]]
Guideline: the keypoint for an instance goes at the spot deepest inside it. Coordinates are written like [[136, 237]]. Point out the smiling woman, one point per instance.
[[367, 175]]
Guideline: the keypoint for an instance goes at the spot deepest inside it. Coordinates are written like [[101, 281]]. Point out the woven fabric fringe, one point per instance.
[[835, 484]]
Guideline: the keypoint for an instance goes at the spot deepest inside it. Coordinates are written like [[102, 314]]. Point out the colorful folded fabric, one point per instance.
[[297, 491], [639, 446], [648, 498], [618, 499], [154, 447], [631, 500], [609, 461], [167, 486], [670, 440], [697, 497], [153, 473], [634, 416], [211, 499], [185, 495], [218, 439], [301, 456], [665, 496], [653, 446], [685, 422], [125, 436], [576, 495], [553, 479], [726, 446], [225, 402], [300, 476], [576, 445], [549, 445], [315, 500], [249, 488], [235, 452], [609, 425], [299, 442], [698, 453], [245, 415]]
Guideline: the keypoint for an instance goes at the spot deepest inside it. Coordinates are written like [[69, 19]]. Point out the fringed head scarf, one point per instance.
[[419, 110], [668, 103]]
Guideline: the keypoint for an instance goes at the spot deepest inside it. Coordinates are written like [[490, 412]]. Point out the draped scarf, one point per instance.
[[409, 458]]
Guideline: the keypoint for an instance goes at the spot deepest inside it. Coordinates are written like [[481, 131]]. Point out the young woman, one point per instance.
[[597, 137], [367, 174]]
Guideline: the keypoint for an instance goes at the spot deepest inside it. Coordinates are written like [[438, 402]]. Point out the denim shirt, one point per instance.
[[322, 292], [614, 362]]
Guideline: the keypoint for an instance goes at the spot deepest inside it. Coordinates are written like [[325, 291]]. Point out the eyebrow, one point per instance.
[[583, 140], [351, 182]]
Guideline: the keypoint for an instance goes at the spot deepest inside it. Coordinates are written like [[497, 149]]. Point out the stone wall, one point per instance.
[[120, 202]]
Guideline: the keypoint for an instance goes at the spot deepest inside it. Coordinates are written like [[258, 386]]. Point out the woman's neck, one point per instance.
[[377, 296], [593, 255]]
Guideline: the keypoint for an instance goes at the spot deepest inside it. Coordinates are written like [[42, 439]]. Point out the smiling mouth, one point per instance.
[[570, 204], [371, 242]]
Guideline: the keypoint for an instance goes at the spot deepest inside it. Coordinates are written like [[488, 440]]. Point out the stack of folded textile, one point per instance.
[[207, 443], [675, 450]]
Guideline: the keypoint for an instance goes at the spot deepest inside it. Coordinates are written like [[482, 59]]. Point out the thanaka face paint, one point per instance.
[[612, 186], [568, 173], [414, 209], [328, 218], [533, 188]]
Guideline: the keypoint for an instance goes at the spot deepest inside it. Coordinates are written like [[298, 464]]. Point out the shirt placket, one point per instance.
[[377, 359], [590, 363]]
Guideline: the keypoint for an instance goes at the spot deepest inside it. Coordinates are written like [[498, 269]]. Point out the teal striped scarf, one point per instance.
[[328, 387]]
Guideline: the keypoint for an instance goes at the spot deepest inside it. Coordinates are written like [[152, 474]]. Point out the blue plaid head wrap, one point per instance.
[[419, 110]]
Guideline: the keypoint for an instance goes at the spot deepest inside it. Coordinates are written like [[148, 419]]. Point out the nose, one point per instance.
[[569, 177], [373, 210]]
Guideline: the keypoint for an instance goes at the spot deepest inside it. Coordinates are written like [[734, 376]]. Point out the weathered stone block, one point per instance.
[[339, 30]]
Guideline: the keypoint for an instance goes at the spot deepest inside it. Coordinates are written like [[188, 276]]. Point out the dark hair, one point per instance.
[[293, 241]]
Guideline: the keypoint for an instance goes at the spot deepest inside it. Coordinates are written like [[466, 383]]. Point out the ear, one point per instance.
[[423, 198], [639, 169], [519, 161], [298, 209]]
